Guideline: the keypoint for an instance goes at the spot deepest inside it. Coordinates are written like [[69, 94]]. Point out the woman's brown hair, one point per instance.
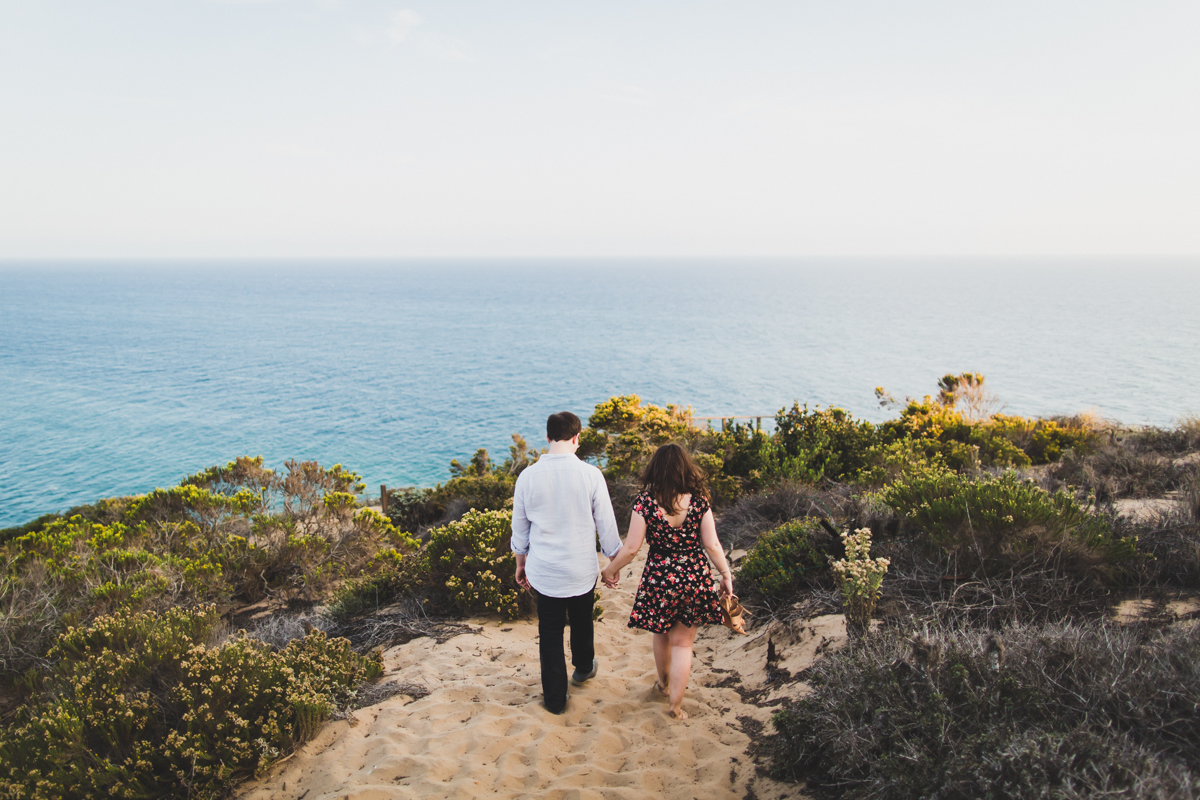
[[671, 474]]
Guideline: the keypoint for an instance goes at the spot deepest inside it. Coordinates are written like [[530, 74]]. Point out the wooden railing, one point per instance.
[[758, 418]]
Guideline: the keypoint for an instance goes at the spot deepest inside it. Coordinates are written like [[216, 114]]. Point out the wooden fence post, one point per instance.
[[383, 498]]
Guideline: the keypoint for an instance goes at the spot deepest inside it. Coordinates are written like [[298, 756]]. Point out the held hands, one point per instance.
[[610, 576]]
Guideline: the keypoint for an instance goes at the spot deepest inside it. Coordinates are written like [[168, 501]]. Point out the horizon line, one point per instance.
[[6, 259]]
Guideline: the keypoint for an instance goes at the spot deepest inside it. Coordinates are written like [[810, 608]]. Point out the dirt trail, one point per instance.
[[481, 731]]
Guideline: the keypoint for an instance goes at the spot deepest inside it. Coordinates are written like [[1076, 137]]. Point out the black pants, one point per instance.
[[553, 613]]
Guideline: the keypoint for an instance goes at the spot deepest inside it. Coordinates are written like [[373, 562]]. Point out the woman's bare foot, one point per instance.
[[679, 713], [661, 689]]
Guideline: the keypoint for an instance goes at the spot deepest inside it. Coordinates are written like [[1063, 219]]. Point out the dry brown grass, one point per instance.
[[753, 515], [1064, 711]]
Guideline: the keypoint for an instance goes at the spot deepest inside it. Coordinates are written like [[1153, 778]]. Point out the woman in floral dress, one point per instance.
[[676, 594]]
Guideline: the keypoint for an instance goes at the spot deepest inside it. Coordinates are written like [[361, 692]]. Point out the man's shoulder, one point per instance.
[[537, 467], [534, 470], [595, 478], [591, 470]]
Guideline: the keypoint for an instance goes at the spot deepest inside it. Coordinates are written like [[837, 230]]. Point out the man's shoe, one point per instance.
[[579, 677], [562, 710]]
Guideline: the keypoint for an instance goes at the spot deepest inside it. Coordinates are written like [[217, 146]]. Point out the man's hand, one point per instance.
[[522, 581]]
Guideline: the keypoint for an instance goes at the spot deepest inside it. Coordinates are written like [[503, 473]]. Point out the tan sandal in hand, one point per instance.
[[733, 615]]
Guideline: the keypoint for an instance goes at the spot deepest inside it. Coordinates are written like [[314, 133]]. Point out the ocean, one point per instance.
[[119, 377]]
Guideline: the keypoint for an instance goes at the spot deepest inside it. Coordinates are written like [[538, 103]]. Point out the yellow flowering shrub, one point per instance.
[[139, 707], [1045, 440], [623, 433], [466, 566], [471, 558]]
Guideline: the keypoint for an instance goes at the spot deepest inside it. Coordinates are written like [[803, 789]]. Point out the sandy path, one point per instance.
[[481, 732]]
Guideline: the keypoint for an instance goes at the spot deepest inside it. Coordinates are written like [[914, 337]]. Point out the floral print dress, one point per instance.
[[677, 585]]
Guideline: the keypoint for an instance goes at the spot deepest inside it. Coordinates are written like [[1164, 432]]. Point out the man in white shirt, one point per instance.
[[560, 504]]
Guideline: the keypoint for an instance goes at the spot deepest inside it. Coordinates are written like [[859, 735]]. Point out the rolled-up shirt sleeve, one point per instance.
[[520, 522], [606, 521]]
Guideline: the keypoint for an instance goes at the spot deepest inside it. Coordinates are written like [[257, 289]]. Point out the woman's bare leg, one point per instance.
[[662, 660], [681, 638]]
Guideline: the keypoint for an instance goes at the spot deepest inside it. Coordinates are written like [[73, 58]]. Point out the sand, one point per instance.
[[1146, 509], [1139, 609], [482, 732]]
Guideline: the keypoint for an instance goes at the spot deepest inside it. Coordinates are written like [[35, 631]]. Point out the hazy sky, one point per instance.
[[364, 128]]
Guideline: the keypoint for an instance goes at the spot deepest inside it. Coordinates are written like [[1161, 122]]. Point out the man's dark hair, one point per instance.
[[562, 426]]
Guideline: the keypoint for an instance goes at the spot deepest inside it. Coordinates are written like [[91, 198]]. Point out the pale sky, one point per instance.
[[194, 128]]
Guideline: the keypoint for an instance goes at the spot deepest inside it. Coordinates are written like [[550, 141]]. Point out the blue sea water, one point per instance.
[[116, 378]]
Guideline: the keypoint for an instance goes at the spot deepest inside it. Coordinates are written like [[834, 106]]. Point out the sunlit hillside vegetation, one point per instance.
[[124, 673]]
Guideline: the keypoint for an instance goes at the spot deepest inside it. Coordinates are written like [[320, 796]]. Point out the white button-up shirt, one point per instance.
[[560, 504]]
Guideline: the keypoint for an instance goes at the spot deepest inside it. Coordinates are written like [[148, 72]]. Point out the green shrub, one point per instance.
[[783, 561], [391, 576], [749, 460], [139, 707], [992, 522], [487, 492], [481, 485], [749, 453], [960, 427], [1055, 711], [823, 443], [888, 462], [807, 446], [412, 509], [622, 435]]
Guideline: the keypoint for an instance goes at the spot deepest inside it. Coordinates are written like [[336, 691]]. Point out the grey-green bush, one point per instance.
[[1060, 711]]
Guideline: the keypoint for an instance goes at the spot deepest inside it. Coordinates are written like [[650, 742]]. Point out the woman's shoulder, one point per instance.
[[644, 502]]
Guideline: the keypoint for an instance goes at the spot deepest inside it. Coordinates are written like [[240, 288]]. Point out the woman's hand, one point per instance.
[[726, 588]]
